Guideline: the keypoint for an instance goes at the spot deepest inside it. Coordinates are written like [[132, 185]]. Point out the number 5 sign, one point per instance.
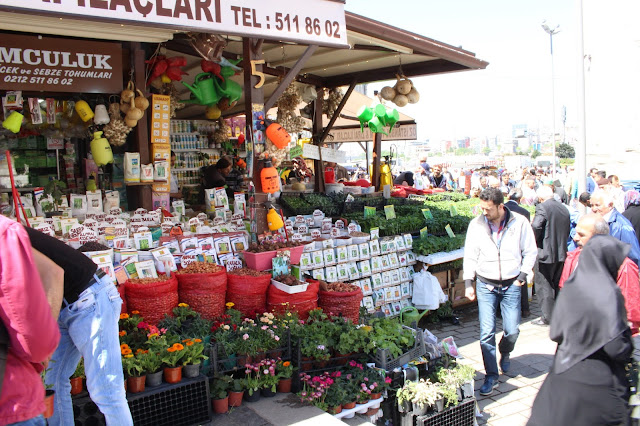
[[257, 73]]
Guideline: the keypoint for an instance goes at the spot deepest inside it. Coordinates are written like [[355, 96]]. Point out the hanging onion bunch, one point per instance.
[[330, 105], [287, 104], [116, 131], [221, 134]]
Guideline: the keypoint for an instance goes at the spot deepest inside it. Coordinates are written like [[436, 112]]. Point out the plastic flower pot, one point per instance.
[[372, 411], [154, 379], [440, 405], [76, 385], [173, 374], [231, 361], [191, 370], [48, 403], [349, 405], [221, 406], [376, 395], [267, 393], [419, 409], [235, 399], [284, 385], [252, 398], [467, 389], [335, 410], [136, 384]]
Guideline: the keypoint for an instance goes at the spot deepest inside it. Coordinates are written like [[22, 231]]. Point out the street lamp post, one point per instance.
[[552, 32]]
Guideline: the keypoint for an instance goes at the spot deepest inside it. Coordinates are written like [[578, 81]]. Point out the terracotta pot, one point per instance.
[[349, 405], [136, 384], [335, 410], [173, 374], [320, 364], [221, 406], [125, 385], [259, 357], [235, 399], [191, 370], [376, 395], [284, 385], [306, 363], [76, 385], [372, 411], [275, 354], [48, 403]]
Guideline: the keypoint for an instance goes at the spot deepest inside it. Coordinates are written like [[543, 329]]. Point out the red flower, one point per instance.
[[235, 326], [143, 325]]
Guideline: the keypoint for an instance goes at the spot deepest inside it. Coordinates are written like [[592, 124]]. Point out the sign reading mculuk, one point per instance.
[[319, 22], [33, 63]]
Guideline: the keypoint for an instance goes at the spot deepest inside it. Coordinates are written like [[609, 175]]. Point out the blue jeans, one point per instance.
[[89, 329], [36, 421], [488, 301]]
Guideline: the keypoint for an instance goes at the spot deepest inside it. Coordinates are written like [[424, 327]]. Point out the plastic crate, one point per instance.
[[185, 403], [384, 360], [462, 414]]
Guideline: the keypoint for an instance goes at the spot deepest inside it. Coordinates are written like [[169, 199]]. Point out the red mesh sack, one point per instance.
[[154, 299], [301, 303], [204, 293], [123, 309], [247, 293], [346, 304]]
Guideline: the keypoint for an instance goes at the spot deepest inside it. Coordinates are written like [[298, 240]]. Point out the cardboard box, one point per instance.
[[443, 278], [456, 294]]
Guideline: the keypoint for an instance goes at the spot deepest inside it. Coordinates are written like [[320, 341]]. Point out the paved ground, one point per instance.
[[510, 404]]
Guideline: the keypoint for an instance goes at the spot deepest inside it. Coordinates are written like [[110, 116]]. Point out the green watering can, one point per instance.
[[409, 315], [203, 90]]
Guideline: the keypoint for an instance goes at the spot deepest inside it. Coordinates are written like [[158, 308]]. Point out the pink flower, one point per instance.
[[352, 363], [366, 379], [277, 338], [303, 394], [142, 325], [264, 327], [266, 371], [245, 336], [163, 330], [387, 380]]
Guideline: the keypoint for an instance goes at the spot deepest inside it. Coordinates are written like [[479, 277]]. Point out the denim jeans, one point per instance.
[[89, 328], [36, 421], [488, 301]]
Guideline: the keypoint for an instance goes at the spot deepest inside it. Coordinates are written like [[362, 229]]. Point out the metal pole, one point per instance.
[[581, 151], [553, 111]]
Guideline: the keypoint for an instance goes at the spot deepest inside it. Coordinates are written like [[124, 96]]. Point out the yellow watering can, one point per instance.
[[13, 122], [409, 315]]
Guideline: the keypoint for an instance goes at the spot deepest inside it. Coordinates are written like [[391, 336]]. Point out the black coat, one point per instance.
[[515, 207], [633, 214], [551, 226]]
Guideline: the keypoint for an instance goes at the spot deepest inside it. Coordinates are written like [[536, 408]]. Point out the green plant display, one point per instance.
[[53, 188]]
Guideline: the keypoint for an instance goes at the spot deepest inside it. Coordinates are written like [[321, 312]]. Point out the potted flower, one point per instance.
[[135, 373], [49, 395], [335, 397], [253, 375], [172, 358], [314, 389], [269, 377], [152, 366], [284, 370], [193, 356], [236, 392], [451, 382], [378, 382], [76, 378], [466, 374], [426, 394], [352, 339], [220, 391], [405, 395]]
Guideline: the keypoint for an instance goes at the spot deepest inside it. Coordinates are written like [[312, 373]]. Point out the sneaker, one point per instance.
[[489, 385], [541, 322], [505, 363]]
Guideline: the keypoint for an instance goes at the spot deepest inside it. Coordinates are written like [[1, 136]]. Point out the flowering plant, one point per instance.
[[378, 380], [314, 389], [150, 361], [157, 342], [79, 370], [261, 375], [132, 330], [351, 338], [284, 369], [172, 356], [132, 366], [194, 349], [186, 322], [426, 393]]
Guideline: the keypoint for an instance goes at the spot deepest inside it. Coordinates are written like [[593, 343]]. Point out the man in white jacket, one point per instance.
[[499, 253]]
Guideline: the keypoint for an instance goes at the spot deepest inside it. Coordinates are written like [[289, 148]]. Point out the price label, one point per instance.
[[352, 227], [310, 221], [369, 212], [335, 232], [296, 237], [90, 223], [75, 231], [300, 220], [110, 218], [233, 264], [47, 229], [166, 226], [339, 224], [87, 235], [427, 214], [176, 231], [424, 232], [188, 259], [202, 217], [218, 221], [315, 233], [449, 231], [116, 211], [288, 223], [390, 212], [303, 229], [453, 211], [140, 211]]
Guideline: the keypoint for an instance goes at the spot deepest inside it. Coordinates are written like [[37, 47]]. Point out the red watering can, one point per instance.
[[329, 175]]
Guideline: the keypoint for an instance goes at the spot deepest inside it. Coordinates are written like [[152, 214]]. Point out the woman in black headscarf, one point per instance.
[[587, 383]]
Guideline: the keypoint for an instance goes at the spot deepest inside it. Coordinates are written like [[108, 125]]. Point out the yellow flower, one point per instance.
[[286, 364], [153, 335], [189, 343], [230, 305], [183, 305], [135, 312], [123, 333], [197, 340], [171, 349], [124, 316], [178, 347], [128, 356]]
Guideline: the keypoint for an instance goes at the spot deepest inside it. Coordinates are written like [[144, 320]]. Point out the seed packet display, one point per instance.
[[364, 251], [342, 254], [329, 257], [392, 245], [378, 297], [399, 242], [397, 307], [331, 273], [365, 268], [387, 309], [239, 243], [239, 204], [221, 199], [404, 289], [404, 275], [353, 252], [343, 272], [402, 258], [408, 241], [66, 224], [94, 201], [143, 241], [376, 281], [393, 260], [354, 274], [78, 204], [374, 248], [411, 258], [368, 304], [305, 261], [222, 260], [318, 259], [376, 264], [365, 284], [205, 243], [318, 274], [395, 276], [328, 243], [404, 303], [146, 269], [222, 245], [384, 259], [188, 243], [397, 293], [386, 279], [384, 246]]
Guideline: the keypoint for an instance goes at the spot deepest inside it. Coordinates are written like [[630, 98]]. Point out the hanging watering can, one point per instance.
[[391, 118], [228, 89], [101, 150], [204, 90], [409, 315], [364, 114], [377, 126]]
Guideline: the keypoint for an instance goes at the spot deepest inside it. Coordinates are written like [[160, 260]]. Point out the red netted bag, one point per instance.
[[153, 299], [204, 293], [301, 303], [247, 293], [345, 304], [123, 309]]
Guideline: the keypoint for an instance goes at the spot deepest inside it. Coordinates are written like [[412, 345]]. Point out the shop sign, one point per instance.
[[55, 143], [400, 132], [319, 22], [33, 63], [312, 152]]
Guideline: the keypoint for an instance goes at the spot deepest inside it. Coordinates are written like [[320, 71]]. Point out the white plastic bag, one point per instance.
[[427, 293]]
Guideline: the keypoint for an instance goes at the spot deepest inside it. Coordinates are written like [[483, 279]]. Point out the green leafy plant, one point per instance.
[[79, 370], [336, 395], [220, 386], [407, 392], [238, 385], [194, 351], [150, 361], [284, 369], [132, 366], [53, 188], [426, 393], [389, 334]]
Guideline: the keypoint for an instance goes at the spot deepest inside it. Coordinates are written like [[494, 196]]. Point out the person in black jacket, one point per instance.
[[551, 226], [514, 205], [632, 209]]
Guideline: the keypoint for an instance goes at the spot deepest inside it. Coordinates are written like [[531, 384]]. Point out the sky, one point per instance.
[[515, 88]]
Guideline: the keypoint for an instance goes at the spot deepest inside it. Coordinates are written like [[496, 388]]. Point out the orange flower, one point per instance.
[[123, 333], [286, 364], [171, 349], [189, 343], [124, 346], [135, 312], [197, 340], [178, 347], [126, 351], [186, 340], [139, 351], [124, 316]]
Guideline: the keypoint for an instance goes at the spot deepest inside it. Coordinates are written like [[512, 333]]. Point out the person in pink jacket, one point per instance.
[[31, 326]]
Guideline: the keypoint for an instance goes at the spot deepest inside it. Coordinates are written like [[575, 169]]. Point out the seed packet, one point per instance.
[[342, 254], [146, 269], [376, 281], [143, 241], [343, 272], [329, 257], [331, 274], [374, 248]]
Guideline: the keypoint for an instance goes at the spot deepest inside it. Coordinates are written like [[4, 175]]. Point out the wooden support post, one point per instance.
[[317, 130], [366, 151], [336, 114], [377, 152], [254, 98]]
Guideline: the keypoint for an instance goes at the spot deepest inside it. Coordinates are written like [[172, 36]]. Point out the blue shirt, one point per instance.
[[621, 228]]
